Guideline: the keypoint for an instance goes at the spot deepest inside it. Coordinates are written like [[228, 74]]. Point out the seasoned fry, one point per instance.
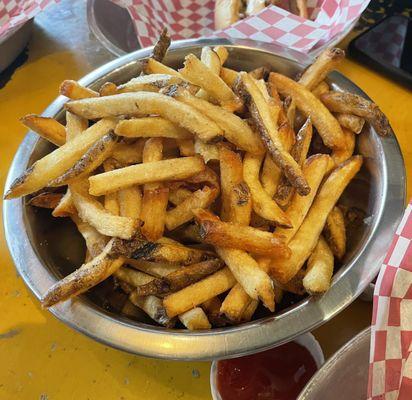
[[240, 200], [128, 153], [151, 66], [196, 294], [262, 203], [183, 213], [195, 319], [320, 269], [341, 155], [147, 103], [158, 171], [228, 234], [335, 232], [308, 234], [351, 122], [180, 278], [130, 202], [325, 123], [261, 111], [151, 127], [92, 159], [344, 102], [197, 73], [75, 125], [156, 269], [47, 128], [73, 90], [46, 200], [229, 76], [58, 161]]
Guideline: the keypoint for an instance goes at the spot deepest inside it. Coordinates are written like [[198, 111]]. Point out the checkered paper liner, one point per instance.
[[275, 24], [14, 13], [390, 369]]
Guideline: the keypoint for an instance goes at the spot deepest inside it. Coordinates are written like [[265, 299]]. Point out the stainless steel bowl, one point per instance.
[[45, 249], [345, 374]]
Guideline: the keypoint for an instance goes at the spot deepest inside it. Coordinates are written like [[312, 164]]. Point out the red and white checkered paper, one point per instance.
[[14, 13], [390, 370], [194, 18]]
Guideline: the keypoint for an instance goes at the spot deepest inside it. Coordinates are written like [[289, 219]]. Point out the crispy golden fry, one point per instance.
[[335, 232], [308, 234], [75, 125], [262, 113], [111, 201], [231, 175], [58, 161], [153, 214], [133, 277], [222, 53], [206, 150], [180, 278], [196, 294], [91, 160], [92, 212], [323, 87], [151, 127], [207, 176], [299, 152], [195, 319], [198, 74], [262, 203], [130, 202], [183, 213], [47, 128], [148, 103], [341, 155], [344, 102], [227, 12], [212, 61], [320, 269], [229, 76], [270, 176], [151, 66], [158, 171], [46, 200], [240, 200], [87, 276], [325, 123], [65, 208], [128, 153], [235, 303], [249, 311], [326, 62], [351, 122], [314, 169], [228, 234], [153, 307], [73, 90], [161, 46]]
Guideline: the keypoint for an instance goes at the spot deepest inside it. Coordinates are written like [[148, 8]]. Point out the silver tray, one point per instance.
[[44, 249]]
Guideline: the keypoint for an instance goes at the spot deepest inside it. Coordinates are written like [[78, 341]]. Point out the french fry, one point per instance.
[[147, 103], [187, 233], [308, 234], [270, 176], [198, 74], [235, 303], [206, 150], [351, 122], [325, 123], [91, 160], [335, 232], [315, 168], [133, 277], [341, 155], [46, 200], [222, 52], [240, 200], [319, 270], [151, 66], [111, 201], [158, 171], [75, 125], [261, 112], [295, 285], [228, 234], [260, 73], [195, 319], [130, 202], [151, 127], [212, 61], [178, 195], [153, 214], [229, 76], [156, 269], [58, 161], [180, 278], [92, 212], [235, 130], [128, 153], [344, 102], [227, 12], [186, 147], [183, 213], [323, 87], [199, 292], [108, 89], [212, 310], [65, 207], [249, 311], [73, 90], [262, 203], [47, 128]]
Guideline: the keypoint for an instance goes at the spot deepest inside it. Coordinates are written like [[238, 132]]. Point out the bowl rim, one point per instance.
[[147, 340]]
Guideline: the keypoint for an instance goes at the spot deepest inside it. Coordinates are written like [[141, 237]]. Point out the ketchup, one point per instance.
[[276, 374]]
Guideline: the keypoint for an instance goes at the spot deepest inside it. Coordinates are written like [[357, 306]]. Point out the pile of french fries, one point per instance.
[[201, 192]]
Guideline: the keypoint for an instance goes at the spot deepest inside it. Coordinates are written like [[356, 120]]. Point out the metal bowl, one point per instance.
[[44, 249], [345, 374]]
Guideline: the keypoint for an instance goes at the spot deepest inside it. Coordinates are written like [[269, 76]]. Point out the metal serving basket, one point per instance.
[[45, 249]]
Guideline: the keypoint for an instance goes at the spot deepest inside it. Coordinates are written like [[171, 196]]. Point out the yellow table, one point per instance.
[[41, 357]]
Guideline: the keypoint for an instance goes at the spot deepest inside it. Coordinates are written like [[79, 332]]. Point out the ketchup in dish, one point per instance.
[[277, 374]]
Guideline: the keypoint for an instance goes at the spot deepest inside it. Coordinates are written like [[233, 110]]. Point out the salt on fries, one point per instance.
[[192, 189]]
